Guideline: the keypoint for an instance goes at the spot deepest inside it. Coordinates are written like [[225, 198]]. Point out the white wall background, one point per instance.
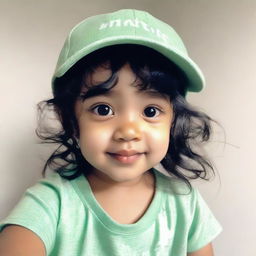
[[221, 38]]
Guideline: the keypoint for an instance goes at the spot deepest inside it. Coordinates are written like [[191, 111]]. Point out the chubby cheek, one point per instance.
[[93, 139], [159, 142]]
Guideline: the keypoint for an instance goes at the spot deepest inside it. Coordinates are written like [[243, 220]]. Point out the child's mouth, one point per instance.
[[125, 159]]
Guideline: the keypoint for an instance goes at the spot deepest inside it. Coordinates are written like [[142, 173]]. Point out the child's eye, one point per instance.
[[102, 110], [152, 112]]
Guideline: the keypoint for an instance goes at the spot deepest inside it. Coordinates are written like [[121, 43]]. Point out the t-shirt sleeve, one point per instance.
[[38, 212], [204, 226]]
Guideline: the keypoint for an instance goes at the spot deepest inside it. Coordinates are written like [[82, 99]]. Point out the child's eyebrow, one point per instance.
[[154, 94], [95, 92], [108, 92]]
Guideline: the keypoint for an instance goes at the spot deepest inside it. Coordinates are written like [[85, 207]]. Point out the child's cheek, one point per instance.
[[93, 142], [160, 138]]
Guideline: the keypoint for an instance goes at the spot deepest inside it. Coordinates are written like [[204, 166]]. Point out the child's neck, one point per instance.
[[124, 204], [100, 182]]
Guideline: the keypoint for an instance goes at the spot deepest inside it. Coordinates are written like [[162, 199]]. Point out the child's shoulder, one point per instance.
[[171, 184], [51, 186], [54, 178], [186, 200], [177, 190]]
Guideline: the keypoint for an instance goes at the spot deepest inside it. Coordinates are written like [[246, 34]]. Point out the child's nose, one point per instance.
[[128, 131]]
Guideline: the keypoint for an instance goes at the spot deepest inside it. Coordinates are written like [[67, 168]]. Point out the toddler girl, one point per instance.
[[119, 93]]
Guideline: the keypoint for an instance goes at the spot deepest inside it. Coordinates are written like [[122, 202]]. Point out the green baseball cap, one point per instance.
[[127, 26]]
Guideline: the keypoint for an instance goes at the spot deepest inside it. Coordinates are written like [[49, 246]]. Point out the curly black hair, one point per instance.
[[190, 127]]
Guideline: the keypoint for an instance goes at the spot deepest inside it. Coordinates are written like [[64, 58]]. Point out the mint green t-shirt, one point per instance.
[[69, 220]]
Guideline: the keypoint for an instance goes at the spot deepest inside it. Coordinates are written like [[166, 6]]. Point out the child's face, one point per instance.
[[126, 132]]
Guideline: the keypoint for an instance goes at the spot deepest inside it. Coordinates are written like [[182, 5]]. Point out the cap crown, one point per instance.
[[124, 27]]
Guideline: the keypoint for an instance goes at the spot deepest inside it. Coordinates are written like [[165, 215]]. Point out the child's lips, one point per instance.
[[125, 156]]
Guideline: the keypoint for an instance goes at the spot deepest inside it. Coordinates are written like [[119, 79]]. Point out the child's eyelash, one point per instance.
[[104, 109], [156, 109]]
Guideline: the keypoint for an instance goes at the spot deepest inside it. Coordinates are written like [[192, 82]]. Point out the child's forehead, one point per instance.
[[98, 74], [102, 72]]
